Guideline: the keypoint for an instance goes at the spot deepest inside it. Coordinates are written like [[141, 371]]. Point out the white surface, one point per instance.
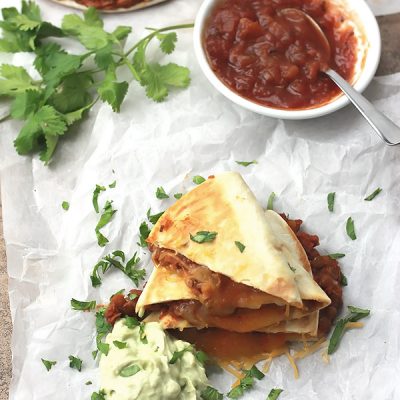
[[369, 49], [197, 131]]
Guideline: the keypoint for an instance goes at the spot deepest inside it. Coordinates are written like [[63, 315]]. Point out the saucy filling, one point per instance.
[[272, 58], [110, 4], [225, 343]]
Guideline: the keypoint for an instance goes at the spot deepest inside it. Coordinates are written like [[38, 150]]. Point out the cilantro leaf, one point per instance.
[[75, 363], [95, 199], [129, 370], [203, 236], [111, 91], [350, 229], [89, 30], [121, 32], [246, 383], [38, 130], [160, 193], [119, 345], [48, 364], [373, 194], [197, 179], [240, 246], [65, 205], [201, 357], [83, 305], [72, 93], [167, 41], [131, 322], [112, 185], [105, 218], [144, 232], [331, 201], [15, 80], [270, 203], [177, 355], [25, 104], [336, 256], [343, 279], [116, 260], [209, 393], [54, 64], [246, 163], [98, 395], [354, 315], [178, 195], [155, 217], [274, 394]]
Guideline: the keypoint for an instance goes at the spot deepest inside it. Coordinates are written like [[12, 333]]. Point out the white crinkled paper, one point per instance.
[[51, 252]]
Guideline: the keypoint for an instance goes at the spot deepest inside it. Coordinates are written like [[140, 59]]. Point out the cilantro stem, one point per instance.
[[154, 33]]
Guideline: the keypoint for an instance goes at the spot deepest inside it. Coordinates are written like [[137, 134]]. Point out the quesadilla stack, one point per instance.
[[229, 274], [110, 6]]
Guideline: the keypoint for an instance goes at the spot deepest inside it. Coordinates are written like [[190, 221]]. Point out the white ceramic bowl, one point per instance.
[[368, 59]]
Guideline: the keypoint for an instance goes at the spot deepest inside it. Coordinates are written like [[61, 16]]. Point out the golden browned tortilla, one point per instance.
[[267, 287]]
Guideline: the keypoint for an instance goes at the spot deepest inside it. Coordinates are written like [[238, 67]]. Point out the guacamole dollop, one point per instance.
[[138, 365]]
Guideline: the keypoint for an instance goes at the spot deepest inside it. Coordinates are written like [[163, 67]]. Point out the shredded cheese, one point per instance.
[[293, 364], [325, 357], [354, 325], [309, 349]]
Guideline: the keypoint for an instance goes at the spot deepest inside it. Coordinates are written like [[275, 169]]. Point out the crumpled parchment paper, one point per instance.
[[51, 252]]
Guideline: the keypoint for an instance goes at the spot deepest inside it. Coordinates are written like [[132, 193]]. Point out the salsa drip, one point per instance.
[[263, 56]]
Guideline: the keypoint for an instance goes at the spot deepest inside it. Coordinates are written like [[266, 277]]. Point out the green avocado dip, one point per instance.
[[146, 363]]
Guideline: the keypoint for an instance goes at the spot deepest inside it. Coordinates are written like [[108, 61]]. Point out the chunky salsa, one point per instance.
[[268, 56]]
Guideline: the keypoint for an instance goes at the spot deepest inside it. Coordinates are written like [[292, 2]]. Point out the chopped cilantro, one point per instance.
[[65, 205], [75, 363], [119, 345], [198, 179], [201, 357], [116, 259], [179, 354], [343, 279], [178, 195], [240, 246], [155, 217], [144, 232], [350, 229], [209, 393], [129, 370], [48, 364], [274, 394], [355, 314], [112, 185], [203, 236], [98, 395], [246, 163], [373, 194], [270, 203], [160, 193], [105, 218], [96, 193], [83, 305], [246, 383], [88, 383], [336, 256], [331, 201]]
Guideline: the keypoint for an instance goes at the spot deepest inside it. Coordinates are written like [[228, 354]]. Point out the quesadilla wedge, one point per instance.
[[110, 6], [265, 287]]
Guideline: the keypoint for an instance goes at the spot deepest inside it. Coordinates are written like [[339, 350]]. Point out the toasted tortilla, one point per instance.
[[139, 6], [224, 204], [273, 260]]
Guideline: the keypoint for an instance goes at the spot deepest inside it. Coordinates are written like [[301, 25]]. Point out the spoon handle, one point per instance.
[[383, 126]]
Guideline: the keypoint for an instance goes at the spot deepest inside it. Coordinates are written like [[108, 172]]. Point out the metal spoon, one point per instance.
[[383, 126]]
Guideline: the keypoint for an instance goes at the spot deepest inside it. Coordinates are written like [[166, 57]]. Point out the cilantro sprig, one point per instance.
[[70, 85], [117, 259]]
